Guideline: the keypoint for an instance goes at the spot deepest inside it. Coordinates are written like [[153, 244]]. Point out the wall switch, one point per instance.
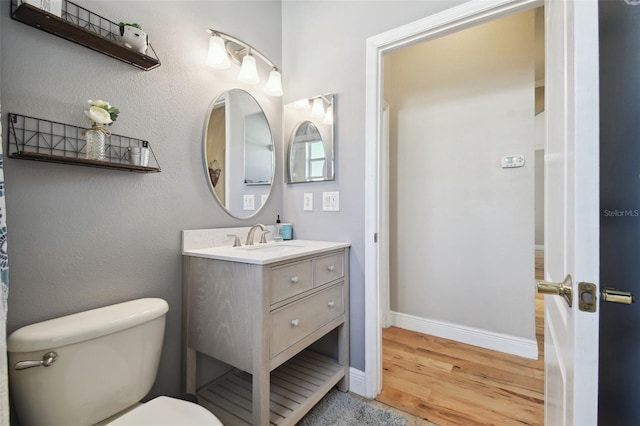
[[308, 202], [511, 161], [263, 199], [331, 201], [249, 202]]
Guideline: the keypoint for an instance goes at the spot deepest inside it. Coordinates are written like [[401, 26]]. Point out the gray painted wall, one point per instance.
[[80, 237], [324, 51]]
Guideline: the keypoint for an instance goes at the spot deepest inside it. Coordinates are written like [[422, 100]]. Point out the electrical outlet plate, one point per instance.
[[249, 202], [331, 201], [308, 202]]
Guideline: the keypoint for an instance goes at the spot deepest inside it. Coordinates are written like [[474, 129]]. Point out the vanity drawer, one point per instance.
[[328, 268], [299, 319], [290, 280]]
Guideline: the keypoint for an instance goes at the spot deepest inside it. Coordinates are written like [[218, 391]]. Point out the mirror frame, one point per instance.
[[294, 117], [215, 103]]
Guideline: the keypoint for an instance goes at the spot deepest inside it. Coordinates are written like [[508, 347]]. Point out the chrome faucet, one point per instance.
[[252, 232], [236, 240]]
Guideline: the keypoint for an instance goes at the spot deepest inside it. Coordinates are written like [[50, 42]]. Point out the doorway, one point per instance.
[[461, 221], [464, 16]]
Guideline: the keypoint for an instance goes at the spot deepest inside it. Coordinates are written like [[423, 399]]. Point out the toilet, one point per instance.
[[94, 367]]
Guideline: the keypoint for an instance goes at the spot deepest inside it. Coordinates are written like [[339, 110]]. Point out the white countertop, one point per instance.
[[264, 254]]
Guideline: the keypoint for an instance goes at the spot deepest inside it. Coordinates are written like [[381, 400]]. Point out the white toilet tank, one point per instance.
[[107, 360]]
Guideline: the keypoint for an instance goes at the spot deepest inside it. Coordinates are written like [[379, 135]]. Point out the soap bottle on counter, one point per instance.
[[277, 231]]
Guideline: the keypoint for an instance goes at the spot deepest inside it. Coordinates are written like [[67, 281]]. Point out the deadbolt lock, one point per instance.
[[587, 296]]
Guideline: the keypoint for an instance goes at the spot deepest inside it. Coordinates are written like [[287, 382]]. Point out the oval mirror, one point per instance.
[[238, 153], [310, 124]]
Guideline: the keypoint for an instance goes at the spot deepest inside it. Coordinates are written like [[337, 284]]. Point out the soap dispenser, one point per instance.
[[277, 234]]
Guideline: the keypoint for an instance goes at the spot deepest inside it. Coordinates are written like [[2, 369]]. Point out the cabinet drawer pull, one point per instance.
[[294, 323], [331, 304], [294, 279], [331, 268]]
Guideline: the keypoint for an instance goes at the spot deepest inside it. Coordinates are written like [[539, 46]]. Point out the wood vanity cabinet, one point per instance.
[[261, 319]]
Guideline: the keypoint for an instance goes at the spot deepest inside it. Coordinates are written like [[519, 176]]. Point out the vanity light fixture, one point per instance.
[[218, 57], [224, 49], [328, 117], [249, 70], [317, 110]]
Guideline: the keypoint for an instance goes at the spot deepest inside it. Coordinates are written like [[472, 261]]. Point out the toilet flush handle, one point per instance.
[[47, 359]]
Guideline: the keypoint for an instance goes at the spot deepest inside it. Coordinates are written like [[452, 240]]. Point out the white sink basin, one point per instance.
[[263, 254], [271, 247]]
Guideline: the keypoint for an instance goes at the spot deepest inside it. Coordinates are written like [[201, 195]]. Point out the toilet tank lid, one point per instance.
[[85, 325]]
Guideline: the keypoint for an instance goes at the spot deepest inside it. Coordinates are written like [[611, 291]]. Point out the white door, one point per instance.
[[572, 204]]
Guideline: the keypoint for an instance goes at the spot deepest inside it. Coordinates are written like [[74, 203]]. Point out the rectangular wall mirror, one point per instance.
[[309, 125]]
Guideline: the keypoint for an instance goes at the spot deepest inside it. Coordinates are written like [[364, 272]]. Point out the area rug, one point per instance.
[[344, 409]]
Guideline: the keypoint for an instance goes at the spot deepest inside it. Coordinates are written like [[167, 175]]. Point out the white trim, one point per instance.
[[448, 21], [356, 381], [539, 246], [527, 348]]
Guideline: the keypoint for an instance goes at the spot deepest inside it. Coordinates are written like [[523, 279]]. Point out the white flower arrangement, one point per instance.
[[101, 113]]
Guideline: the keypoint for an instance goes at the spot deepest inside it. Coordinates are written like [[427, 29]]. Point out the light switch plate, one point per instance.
[[512, 161], [331, 201], [249, 202], [308, 202]]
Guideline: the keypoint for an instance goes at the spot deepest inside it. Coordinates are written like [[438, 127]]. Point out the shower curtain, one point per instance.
[[4, 284]]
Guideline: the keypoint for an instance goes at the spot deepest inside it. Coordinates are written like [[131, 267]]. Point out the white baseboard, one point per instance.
[[356, 381], [527, 348], [539, 246]]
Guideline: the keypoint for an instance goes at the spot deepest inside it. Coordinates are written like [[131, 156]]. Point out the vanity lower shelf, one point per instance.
[[295, 387]]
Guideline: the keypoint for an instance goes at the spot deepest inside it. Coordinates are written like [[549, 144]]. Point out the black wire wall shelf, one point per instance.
[[83, 27], [43, 140]]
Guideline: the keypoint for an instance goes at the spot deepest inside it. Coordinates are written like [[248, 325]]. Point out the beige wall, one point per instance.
[[462, 226]]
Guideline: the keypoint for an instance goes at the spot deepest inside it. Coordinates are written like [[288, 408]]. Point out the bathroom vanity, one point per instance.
[[258, 308]]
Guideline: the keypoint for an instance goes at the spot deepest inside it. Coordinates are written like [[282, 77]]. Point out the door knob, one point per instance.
[[559, 289]]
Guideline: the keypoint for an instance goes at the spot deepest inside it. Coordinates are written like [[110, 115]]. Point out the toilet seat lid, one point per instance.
[[165, 411]]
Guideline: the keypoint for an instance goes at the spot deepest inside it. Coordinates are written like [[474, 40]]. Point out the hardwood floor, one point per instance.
[[450, 383]]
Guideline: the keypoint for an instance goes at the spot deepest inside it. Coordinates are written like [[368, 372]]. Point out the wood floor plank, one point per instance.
[[453, 384]]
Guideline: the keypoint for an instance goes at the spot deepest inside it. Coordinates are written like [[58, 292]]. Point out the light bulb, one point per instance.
[[328, 117], [274, 84], [317, 110], [249, 71], [218, 57]]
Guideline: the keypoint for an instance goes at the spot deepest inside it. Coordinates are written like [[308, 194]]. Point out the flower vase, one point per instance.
[[96, 142]]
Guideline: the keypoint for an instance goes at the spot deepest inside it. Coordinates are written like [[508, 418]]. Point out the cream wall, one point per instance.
[[81, 237], [462, 226]]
